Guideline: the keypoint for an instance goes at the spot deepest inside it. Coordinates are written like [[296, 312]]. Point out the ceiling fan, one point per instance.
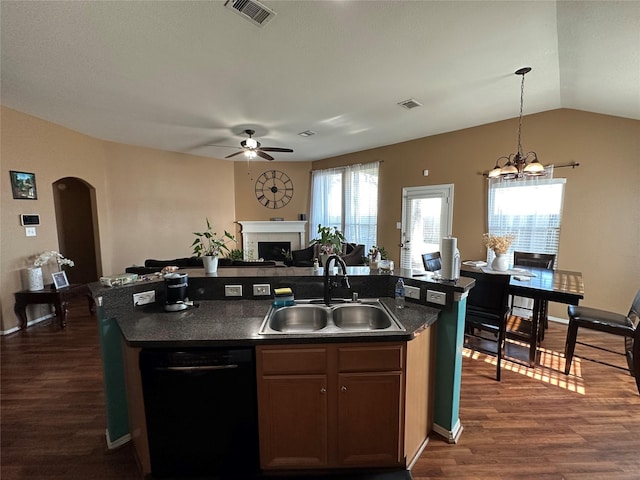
[[252, 148]]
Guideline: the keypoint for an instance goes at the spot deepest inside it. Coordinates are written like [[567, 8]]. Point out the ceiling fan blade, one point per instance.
[[275, 149], [234, 154], [264, 155]]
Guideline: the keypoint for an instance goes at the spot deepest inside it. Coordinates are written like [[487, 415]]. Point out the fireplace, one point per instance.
[[273, 250], [276, 232]]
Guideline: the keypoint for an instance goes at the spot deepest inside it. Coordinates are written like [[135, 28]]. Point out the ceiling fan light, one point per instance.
[[250, 154], [251, 143]]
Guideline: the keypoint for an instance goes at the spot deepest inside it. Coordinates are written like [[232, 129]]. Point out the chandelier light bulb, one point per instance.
[[250, 154]]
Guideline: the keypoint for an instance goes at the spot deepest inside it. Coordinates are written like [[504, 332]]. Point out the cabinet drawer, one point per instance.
[[292, 360], [378, 357]]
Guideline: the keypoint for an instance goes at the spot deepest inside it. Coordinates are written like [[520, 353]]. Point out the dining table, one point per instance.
[[539, 284]]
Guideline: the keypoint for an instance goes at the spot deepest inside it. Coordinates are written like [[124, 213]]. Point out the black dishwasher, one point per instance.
[[201, 412]]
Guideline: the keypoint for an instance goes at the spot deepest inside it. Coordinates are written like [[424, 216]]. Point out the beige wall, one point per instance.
[[601, 220], [158, 199], [247, 205], [150, 201]]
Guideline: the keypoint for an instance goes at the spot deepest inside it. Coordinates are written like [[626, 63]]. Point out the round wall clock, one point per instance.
[[274, 189]]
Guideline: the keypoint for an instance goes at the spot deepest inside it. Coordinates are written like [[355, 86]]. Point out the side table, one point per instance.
[[58, 298]]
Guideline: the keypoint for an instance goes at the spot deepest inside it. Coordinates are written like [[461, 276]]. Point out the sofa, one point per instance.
[[154, 266], [353, 254]]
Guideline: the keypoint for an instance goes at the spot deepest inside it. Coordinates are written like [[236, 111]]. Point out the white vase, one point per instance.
[[34, 278], [501, 262], [210, 263]]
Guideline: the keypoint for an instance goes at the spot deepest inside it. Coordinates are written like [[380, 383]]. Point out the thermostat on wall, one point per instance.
[[30, 219]]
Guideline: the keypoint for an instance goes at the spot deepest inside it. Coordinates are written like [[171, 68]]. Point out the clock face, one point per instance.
[[274, 189]]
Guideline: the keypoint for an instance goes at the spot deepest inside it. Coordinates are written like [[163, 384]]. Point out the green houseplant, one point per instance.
[[236, 254], [208, 245], [330, 240]]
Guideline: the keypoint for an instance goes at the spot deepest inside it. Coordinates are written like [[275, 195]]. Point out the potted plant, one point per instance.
[[330, 241], [208, 245], [375, 255], [288, 258], [35, 272], [236, 254]]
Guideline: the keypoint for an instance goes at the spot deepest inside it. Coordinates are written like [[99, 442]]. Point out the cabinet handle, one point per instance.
[[344, 389], [323, 390]]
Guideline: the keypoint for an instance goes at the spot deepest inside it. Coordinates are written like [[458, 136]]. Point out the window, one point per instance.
[[346, 198], [531, 210]]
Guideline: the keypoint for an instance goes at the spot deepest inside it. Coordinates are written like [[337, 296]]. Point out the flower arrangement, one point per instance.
[[497, 243], [46, 257], [208, 243], [331, 240]]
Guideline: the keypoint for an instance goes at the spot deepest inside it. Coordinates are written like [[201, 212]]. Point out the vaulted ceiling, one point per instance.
[[177, 75]]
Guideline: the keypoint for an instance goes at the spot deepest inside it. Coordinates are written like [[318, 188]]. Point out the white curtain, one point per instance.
[[326, 200], [346, 198]]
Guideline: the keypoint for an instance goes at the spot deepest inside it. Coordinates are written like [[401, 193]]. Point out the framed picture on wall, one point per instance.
[[60, 280], [23, 185]]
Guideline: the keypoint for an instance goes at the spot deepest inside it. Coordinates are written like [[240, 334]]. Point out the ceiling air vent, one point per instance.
[[409, 104], [253, 11]]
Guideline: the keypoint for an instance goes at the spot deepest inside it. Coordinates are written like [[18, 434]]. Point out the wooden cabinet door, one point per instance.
[[293, 421], [369, 419]]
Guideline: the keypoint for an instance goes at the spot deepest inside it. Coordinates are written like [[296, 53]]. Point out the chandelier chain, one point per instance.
[[520, 119]]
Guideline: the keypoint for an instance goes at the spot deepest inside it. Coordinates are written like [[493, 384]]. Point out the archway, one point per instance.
[[77, 226]]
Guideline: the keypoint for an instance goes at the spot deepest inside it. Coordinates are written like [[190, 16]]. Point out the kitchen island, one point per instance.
[[406, 378]]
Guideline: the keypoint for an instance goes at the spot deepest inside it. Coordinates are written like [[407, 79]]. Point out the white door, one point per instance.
[[427, 217]]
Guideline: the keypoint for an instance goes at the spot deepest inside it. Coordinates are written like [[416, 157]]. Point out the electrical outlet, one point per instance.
[[261, 289], [144, 298], [412, 292], [233, 290], [436, 297]]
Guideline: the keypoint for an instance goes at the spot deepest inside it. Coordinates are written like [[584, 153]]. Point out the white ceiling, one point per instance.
[[177, 75]]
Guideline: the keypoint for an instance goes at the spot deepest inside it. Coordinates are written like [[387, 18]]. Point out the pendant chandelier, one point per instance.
[[517, 164]]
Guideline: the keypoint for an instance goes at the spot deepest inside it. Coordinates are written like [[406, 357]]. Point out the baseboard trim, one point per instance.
[[29, 323], [564, 321], [416, 457], [451, 436], [118, 442]]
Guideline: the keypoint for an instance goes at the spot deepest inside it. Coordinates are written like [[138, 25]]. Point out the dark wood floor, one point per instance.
[[536, 423]]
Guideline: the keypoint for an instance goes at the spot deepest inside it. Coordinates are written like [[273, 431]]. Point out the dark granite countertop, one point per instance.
[[220, 321], [228, 322]]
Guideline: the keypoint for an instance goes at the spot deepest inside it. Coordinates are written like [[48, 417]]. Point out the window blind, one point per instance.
[[529, 209]]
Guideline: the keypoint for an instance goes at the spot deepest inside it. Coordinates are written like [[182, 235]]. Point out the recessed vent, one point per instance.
[[307, 133], [409, 104], [253, 11]]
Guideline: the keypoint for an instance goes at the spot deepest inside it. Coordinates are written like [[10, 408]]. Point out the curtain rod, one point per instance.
[[345, 166]]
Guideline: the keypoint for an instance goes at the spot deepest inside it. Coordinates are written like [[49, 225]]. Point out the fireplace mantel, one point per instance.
[[271, 231]]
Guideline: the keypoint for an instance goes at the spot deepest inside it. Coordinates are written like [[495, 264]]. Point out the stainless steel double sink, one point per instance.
[[313, 317]]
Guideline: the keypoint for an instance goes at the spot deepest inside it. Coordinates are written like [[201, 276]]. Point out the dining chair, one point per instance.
[[607, 322], [487, 314], [537, 260], [432, 261]]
